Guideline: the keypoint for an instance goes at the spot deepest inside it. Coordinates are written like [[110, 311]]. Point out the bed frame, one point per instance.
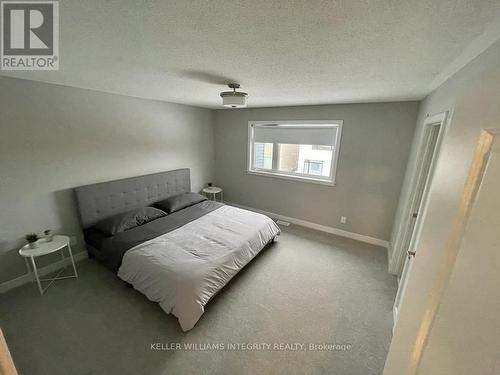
[[102, 200]]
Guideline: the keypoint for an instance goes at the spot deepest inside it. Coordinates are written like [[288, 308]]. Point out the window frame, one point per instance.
[[329, 181]]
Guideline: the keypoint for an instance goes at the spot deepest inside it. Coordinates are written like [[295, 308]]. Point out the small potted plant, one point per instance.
[[48, 235], [32, 238]]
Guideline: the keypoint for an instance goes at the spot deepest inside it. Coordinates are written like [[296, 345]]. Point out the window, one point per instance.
[[304, 151], [263, 155], [313, 167]]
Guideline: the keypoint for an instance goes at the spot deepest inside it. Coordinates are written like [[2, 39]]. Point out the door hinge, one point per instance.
[[411, 253], [415, 214]]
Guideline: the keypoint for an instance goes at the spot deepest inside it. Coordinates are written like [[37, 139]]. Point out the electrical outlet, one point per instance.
[[72, 240], [343, 220]]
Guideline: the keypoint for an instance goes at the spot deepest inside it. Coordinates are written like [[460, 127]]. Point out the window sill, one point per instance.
[[293, 178]]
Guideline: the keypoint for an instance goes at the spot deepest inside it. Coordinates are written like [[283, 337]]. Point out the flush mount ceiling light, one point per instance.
[[234, 99]]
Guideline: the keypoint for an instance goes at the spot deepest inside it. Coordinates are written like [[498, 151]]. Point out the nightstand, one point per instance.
[[212, 192], [58, 243]]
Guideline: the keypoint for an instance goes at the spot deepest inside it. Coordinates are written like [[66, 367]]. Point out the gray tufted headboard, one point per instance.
[[99, 201]]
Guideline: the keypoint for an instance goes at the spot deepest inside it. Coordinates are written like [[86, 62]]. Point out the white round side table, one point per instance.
[[44, 247], [213, 191]]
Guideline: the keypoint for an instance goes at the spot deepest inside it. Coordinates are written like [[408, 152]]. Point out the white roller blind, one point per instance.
[[325, 135]]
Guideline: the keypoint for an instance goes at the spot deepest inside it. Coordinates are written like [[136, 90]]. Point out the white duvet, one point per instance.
[[183, 269]]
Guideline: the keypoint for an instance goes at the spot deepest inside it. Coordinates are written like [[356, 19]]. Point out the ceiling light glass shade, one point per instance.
[[234, 99]]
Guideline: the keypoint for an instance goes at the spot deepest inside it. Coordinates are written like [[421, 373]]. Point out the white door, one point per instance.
[[456, 328], [463, 338], [427, 156]]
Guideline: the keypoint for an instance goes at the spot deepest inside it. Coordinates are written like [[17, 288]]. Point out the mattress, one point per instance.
[[185, 267]]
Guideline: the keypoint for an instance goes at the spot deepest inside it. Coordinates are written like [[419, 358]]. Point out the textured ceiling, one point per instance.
[[283, 52]]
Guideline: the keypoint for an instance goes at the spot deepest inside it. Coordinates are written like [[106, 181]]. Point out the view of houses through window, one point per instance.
[[263, 154], [312, 160]]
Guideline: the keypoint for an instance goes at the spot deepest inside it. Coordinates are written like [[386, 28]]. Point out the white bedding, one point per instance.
[[183, 269]]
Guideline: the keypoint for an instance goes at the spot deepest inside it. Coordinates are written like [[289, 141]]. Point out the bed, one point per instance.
[[180, 260]]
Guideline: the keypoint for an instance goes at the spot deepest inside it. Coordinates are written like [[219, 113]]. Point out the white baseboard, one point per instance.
[[322, 228], [18, 281]]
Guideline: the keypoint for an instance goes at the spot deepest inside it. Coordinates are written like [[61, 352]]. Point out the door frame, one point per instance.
[[411, 235], [398, 257]]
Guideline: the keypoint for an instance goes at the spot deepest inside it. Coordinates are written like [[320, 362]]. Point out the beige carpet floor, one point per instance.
[[309, 288]]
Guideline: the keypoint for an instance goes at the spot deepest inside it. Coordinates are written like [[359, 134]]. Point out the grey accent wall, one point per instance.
[[473, 94], [53, 138], [374, 149]]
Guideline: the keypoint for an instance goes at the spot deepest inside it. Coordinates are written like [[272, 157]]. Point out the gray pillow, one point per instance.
[[179, 201], [128, 220]]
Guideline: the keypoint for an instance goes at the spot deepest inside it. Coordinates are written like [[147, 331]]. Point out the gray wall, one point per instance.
[[53, 138], [374, 149], [474, 96]]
